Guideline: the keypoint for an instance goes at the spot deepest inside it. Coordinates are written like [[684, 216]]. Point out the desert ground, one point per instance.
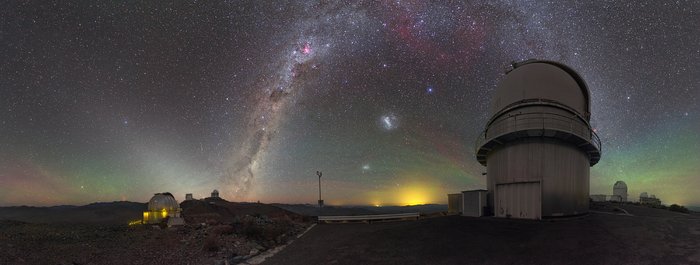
[[220, 232], [217, 232]]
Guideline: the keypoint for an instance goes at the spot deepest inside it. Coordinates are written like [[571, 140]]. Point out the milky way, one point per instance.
[[117, 101]]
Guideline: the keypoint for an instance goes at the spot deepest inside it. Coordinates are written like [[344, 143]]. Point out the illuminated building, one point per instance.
[[163, 208]]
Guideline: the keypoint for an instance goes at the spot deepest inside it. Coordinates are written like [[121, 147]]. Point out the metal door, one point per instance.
[[519, 200]]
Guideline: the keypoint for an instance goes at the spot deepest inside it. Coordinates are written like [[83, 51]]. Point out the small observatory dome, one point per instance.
[[620, 189], [162, 206], [215, 194], [162, 201]]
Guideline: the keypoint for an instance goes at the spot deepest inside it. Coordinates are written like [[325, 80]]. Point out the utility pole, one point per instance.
[[320, 201]]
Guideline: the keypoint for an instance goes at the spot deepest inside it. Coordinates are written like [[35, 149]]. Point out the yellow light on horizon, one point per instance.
[[415, 194], [412, 192]]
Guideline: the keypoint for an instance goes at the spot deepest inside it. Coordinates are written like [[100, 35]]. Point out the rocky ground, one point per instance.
[[212, 242]]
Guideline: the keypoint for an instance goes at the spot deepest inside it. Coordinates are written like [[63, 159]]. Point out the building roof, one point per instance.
[[620, 185], [163, 201], [525, 83]]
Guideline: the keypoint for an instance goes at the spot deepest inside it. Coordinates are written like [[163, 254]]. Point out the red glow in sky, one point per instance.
[[306, 49]]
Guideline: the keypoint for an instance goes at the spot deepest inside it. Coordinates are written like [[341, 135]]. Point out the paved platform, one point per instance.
[[651, 236]]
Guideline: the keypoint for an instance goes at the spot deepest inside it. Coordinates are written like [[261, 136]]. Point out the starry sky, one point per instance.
[[117, 100]]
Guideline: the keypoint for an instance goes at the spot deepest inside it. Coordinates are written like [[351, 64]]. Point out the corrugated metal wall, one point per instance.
[[454, 203], [519, 200], [561, 168], [474, 203]]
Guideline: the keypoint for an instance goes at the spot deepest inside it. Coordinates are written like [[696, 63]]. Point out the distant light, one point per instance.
[[388, 122], [430, 89], [365, 167]]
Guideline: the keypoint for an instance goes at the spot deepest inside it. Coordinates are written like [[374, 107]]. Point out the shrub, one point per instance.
[[250, 228], [211, 243], [272, 231], [678, 208], [223, 230]]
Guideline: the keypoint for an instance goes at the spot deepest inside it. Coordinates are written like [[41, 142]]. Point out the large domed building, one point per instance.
[[163, 207], [538, 146]]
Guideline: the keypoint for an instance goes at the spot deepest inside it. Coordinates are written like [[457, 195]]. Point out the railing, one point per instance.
[[367, 218], [538, 120]]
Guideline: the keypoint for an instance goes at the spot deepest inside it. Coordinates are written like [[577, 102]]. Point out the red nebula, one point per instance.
[[306, 49]]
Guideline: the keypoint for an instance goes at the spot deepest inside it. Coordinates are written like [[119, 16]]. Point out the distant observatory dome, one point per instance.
[[620, 189], [162, 201], [215, 194], [162, 206], [620, 185]]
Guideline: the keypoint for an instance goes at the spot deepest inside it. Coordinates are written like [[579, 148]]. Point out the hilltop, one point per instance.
[[118, 212], [647, 236], [217, 231]]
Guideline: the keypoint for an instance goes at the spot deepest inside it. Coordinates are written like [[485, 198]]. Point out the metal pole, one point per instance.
[[319, 174], [320, 201], [319, 188]]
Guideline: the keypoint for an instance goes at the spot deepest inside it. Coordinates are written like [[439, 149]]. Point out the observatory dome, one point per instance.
[[542, 80], [162, 201], [620, 189], [620, 185], [538, 146]]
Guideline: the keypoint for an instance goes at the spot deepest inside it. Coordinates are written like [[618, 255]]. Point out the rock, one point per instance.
[[236, 259], [254, 252]]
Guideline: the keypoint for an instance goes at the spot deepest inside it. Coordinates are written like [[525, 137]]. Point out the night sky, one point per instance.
[[105, 101]]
